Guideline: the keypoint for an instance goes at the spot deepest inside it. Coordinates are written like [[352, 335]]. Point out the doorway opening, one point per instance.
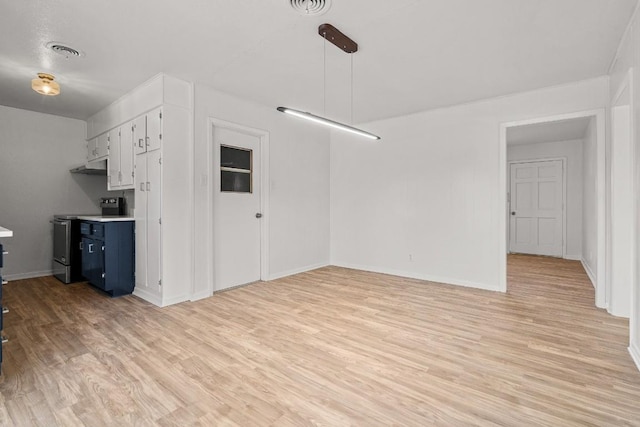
[[239, 221], [553, 187]]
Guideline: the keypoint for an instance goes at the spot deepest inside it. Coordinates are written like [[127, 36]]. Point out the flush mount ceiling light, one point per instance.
[[310, 7], [45, 85], [344, 43]]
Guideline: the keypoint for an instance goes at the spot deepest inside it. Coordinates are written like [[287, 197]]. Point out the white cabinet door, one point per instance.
[[141, 221], [154, 226], [113, 160], [126, 156], [140, 134], [91, 149], [102, 146], [154, 129]]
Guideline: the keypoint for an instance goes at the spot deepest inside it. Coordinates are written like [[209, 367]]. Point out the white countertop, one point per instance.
[[106, 218], [5, 232]]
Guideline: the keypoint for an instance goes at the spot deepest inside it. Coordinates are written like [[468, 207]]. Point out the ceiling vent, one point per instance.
[[310, 7], [64, 50]]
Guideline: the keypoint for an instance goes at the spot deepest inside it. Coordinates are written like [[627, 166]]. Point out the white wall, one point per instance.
[[628, 58], [36, 152], [572, 152], [589, 202], [299, 187], [431, 188]]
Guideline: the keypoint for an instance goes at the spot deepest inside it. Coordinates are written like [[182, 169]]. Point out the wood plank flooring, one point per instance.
[[331, 347]]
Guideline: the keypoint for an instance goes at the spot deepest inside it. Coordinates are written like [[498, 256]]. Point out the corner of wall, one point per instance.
[[634, 351]]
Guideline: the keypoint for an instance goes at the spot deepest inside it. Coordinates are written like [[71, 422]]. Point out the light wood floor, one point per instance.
[[330, 347]]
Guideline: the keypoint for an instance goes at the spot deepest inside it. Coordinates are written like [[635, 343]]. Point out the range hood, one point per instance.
[[91, 168]]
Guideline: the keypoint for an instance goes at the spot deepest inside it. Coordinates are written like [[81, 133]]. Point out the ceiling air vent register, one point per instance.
[[310, 7], [64, 50]]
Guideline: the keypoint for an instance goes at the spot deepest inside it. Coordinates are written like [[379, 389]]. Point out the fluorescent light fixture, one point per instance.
[[327, 122]]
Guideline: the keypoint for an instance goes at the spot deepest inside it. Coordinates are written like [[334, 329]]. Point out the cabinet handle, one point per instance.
[[140, 143], [5, 253], [148, 186], [5, 310], [81, 245], [147, 141], [4, 340], [142, 186], [119, 176], [90, 248]]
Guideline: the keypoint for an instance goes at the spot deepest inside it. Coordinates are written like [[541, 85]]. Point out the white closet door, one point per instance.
[[536, 217]]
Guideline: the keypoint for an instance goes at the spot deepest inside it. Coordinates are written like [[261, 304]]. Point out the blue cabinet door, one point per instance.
[[93, 261], [108, 256], [88, 257]]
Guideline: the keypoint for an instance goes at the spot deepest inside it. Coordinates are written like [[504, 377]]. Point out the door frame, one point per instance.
[[564, 198], [213, 155], [624, 87], [600, 115]]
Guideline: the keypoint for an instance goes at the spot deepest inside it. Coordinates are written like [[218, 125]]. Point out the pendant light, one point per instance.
[[332, 34], [45, 85]]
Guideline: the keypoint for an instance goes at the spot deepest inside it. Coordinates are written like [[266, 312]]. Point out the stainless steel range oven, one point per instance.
[[67, 252]]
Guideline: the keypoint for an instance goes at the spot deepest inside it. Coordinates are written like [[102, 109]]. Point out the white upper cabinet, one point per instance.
[[148, 131], [102, 147], [140, 134], [126, 156], [98, 147], [113, 160], [154, 130], [120, 159]]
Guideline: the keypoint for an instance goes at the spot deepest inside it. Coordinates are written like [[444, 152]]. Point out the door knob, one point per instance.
[[258, 215], [513, 213]]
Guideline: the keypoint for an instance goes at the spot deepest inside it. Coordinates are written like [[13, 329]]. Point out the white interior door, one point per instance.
[[536, 216], [237, 223]]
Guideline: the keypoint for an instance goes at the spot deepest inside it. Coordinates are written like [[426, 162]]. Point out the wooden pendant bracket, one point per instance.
[[332, 34]]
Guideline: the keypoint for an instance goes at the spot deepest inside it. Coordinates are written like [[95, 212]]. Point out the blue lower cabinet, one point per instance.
[[108, 255]]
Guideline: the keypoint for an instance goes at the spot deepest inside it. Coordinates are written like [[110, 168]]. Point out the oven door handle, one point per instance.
[[81, 245]]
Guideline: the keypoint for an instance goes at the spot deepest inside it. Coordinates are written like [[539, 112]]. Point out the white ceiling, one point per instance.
[[414, 54], [560, 130]]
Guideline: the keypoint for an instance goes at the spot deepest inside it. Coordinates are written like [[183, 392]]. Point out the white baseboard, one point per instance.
[[296, 271], [592, 276], [635, 354], [157, 299], [148, 296], [573, 257], [30, 275], [200, 295], [420, 276], [174, 300]]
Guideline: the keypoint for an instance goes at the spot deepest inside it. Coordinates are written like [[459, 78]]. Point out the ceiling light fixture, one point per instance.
[[332, 34], [45, 85], [327, 122]]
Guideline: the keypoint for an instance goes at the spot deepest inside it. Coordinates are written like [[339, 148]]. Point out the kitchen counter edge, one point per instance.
[[106, 218]]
